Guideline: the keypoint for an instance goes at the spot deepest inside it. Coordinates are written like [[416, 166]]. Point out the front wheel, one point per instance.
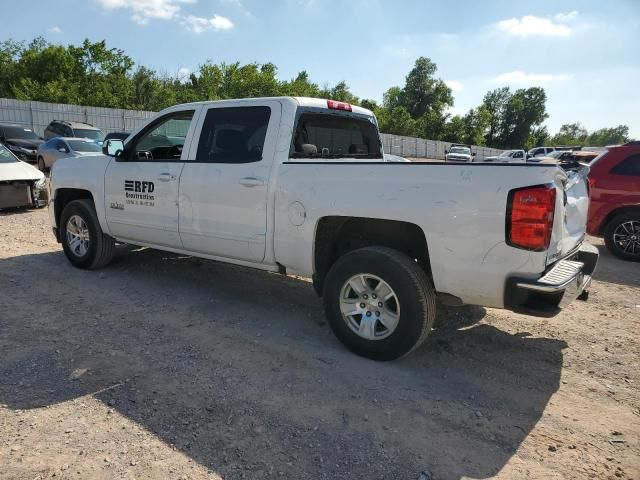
[[84, 242], [622, 236], [379, 302]]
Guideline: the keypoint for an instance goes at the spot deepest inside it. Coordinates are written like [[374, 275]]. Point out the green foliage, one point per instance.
[[576, 134], [95, 75]]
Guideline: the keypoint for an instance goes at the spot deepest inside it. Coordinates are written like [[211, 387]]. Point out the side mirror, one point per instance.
[[446, 151], [473, 154], [113, 147]]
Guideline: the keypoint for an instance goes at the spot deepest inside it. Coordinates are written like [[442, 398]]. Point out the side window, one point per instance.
[[517, 155], [58, 144], [233, 135], [630, 166], [163, 140]]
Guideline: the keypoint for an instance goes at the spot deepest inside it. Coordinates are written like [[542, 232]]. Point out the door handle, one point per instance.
[[166, 177], [251, 182]]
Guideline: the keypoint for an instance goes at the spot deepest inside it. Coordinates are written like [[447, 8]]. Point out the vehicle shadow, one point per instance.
[[238, 369], [615, 270]]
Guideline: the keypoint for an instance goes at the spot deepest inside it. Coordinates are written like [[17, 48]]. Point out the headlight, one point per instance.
[[41, 184]]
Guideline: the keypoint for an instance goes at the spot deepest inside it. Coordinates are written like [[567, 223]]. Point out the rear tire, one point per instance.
[[410, 294], [84, 243], [624, 226]]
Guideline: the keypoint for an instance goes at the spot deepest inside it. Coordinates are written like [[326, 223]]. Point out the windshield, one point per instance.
[[508, 153], [330, 135], [461, 150], [20, 133], [83, 146], [6, 156], [92, 134], [555, 154]]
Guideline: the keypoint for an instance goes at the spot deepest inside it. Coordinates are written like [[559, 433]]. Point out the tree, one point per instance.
[[454, 130], [609, 136], [570, 134], [495, 103], [422, 93], [512, 117]]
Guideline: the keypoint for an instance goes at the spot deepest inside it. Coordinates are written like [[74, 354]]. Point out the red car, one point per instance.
[[614, 212]]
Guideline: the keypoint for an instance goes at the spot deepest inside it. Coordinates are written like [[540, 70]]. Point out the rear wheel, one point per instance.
[[84, 242], [622, 236], [379, 302]]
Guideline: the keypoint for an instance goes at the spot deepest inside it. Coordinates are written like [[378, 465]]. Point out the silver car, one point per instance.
[[61, 147]]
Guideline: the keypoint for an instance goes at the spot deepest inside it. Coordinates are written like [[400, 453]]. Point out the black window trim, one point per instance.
[[128, 151], [338, 113], [227, 107]]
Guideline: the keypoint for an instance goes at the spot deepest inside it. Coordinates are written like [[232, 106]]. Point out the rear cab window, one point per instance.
[[325, 134], [630, 166]]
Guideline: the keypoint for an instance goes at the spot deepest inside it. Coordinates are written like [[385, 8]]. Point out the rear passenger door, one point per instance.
[[224, 190]]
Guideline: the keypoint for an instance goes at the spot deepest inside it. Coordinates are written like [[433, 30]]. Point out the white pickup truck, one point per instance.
[[299, 186]]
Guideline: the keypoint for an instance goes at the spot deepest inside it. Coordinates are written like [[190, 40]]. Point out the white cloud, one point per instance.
[[530, 25], [566, 17], [201, 24], [520, 78], [455, 85], [145, 10], [55, 29]]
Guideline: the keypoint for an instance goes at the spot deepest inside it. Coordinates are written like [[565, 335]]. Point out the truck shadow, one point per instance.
[[238, 369], [611, 269]]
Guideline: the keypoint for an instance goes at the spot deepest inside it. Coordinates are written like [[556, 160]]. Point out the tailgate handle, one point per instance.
[[251, 182]]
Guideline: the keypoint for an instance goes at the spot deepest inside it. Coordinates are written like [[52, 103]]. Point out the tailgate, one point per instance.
[[572, 207]]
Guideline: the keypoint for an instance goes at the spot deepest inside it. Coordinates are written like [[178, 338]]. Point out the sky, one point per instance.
[[586, 54]]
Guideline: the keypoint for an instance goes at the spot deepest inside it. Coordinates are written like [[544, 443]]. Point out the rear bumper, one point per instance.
[[559, 285]]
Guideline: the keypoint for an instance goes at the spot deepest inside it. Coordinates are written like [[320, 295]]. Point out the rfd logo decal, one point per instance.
[[138, 186]]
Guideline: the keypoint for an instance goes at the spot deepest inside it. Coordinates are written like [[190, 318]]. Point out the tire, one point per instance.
[[413, 296], [624, 224], [100, 248], [41, 165]]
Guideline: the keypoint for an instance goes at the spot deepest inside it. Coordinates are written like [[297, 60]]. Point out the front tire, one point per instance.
[[84, 243], [622, 236], [379, 302]]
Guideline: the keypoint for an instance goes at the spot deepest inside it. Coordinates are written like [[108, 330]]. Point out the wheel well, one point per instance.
[[615, 213], [336, 236], [65, 195]]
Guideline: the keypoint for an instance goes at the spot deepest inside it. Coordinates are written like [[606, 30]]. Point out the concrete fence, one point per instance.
[[38, 115]]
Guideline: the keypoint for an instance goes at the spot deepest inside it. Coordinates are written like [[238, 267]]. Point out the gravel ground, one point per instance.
[[164, 366]]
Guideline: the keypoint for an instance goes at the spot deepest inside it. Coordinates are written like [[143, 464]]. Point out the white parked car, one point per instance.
[[300, 186], [508, 156], [21, 185], [459, 153], [59, 147]]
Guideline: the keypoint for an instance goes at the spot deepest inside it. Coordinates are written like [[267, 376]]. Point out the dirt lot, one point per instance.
[[167, 367]]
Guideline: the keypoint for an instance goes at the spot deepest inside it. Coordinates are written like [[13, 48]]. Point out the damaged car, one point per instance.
[[21, 185]]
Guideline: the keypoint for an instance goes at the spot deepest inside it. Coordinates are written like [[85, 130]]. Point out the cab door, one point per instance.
[[142, 185], [224, 191]]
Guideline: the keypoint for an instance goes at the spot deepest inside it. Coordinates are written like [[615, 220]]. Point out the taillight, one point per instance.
[[335, 105], [530, 217]]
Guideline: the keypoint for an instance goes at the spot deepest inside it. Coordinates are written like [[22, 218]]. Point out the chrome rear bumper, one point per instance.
[[566, 280]]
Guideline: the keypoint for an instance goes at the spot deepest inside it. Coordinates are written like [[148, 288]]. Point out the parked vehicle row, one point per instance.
[[301, 186], [63, 128]]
